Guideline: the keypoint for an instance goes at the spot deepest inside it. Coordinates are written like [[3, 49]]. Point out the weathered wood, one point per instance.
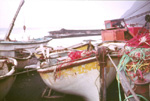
[[102, 62], [123, 80], [12, 24]]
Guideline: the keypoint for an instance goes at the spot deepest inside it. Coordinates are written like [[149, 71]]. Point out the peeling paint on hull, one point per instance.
[[80, 80]]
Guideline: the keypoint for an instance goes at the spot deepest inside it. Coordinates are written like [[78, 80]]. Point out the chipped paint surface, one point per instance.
[[73, 71], [79, 69], [76, 70], [76, 80]]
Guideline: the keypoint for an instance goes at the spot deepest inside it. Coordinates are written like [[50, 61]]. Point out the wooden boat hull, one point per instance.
[[82, 80], [9, 48], [81, 77], [7, 79]]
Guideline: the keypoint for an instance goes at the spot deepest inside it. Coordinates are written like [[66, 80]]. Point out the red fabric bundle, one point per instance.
[[75, 55]]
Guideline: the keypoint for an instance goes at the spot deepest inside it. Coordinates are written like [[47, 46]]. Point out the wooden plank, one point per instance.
[[102, 62]]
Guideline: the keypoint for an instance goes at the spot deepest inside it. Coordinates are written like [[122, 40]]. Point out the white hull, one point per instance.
[[86, 84], [8, 49], [81, 77]]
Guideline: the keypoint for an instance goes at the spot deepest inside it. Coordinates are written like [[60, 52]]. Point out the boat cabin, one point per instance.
[[116, 30], [116, 23]]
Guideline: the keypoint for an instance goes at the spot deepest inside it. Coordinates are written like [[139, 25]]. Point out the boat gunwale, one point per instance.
[[11, 71], [69, 48], [25, 42], [78, 45], [8, 74], [66, 65], [115, 41]]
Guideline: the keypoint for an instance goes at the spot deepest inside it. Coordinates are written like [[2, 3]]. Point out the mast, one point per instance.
[[12, 24]]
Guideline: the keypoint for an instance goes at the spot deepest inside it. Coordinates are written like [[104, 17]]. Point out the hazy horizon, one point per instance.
[[54, 15]]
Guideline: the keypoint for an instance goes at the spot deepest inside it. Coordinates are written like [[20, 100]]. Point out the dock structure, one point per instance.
[[64, 33]]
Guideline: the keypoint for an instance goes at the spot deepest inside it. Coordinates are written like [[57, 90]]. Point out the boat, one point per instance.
[[80, 69], [68, 72], [22, 51], [135, 17], [134, 64], [14, 48], [7, 69]]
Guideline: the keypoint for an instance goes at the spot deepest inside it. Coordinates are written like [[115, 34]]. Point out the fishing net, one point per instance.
[[135, 61], [136, 55]]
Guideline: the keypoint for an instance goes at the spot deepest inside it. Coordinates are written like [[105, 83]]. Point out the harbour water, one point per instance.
[[30, 87]]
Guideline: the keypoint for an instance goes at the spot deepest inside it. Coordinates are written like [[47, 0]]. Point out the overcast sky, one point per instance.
[[56, 14]]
